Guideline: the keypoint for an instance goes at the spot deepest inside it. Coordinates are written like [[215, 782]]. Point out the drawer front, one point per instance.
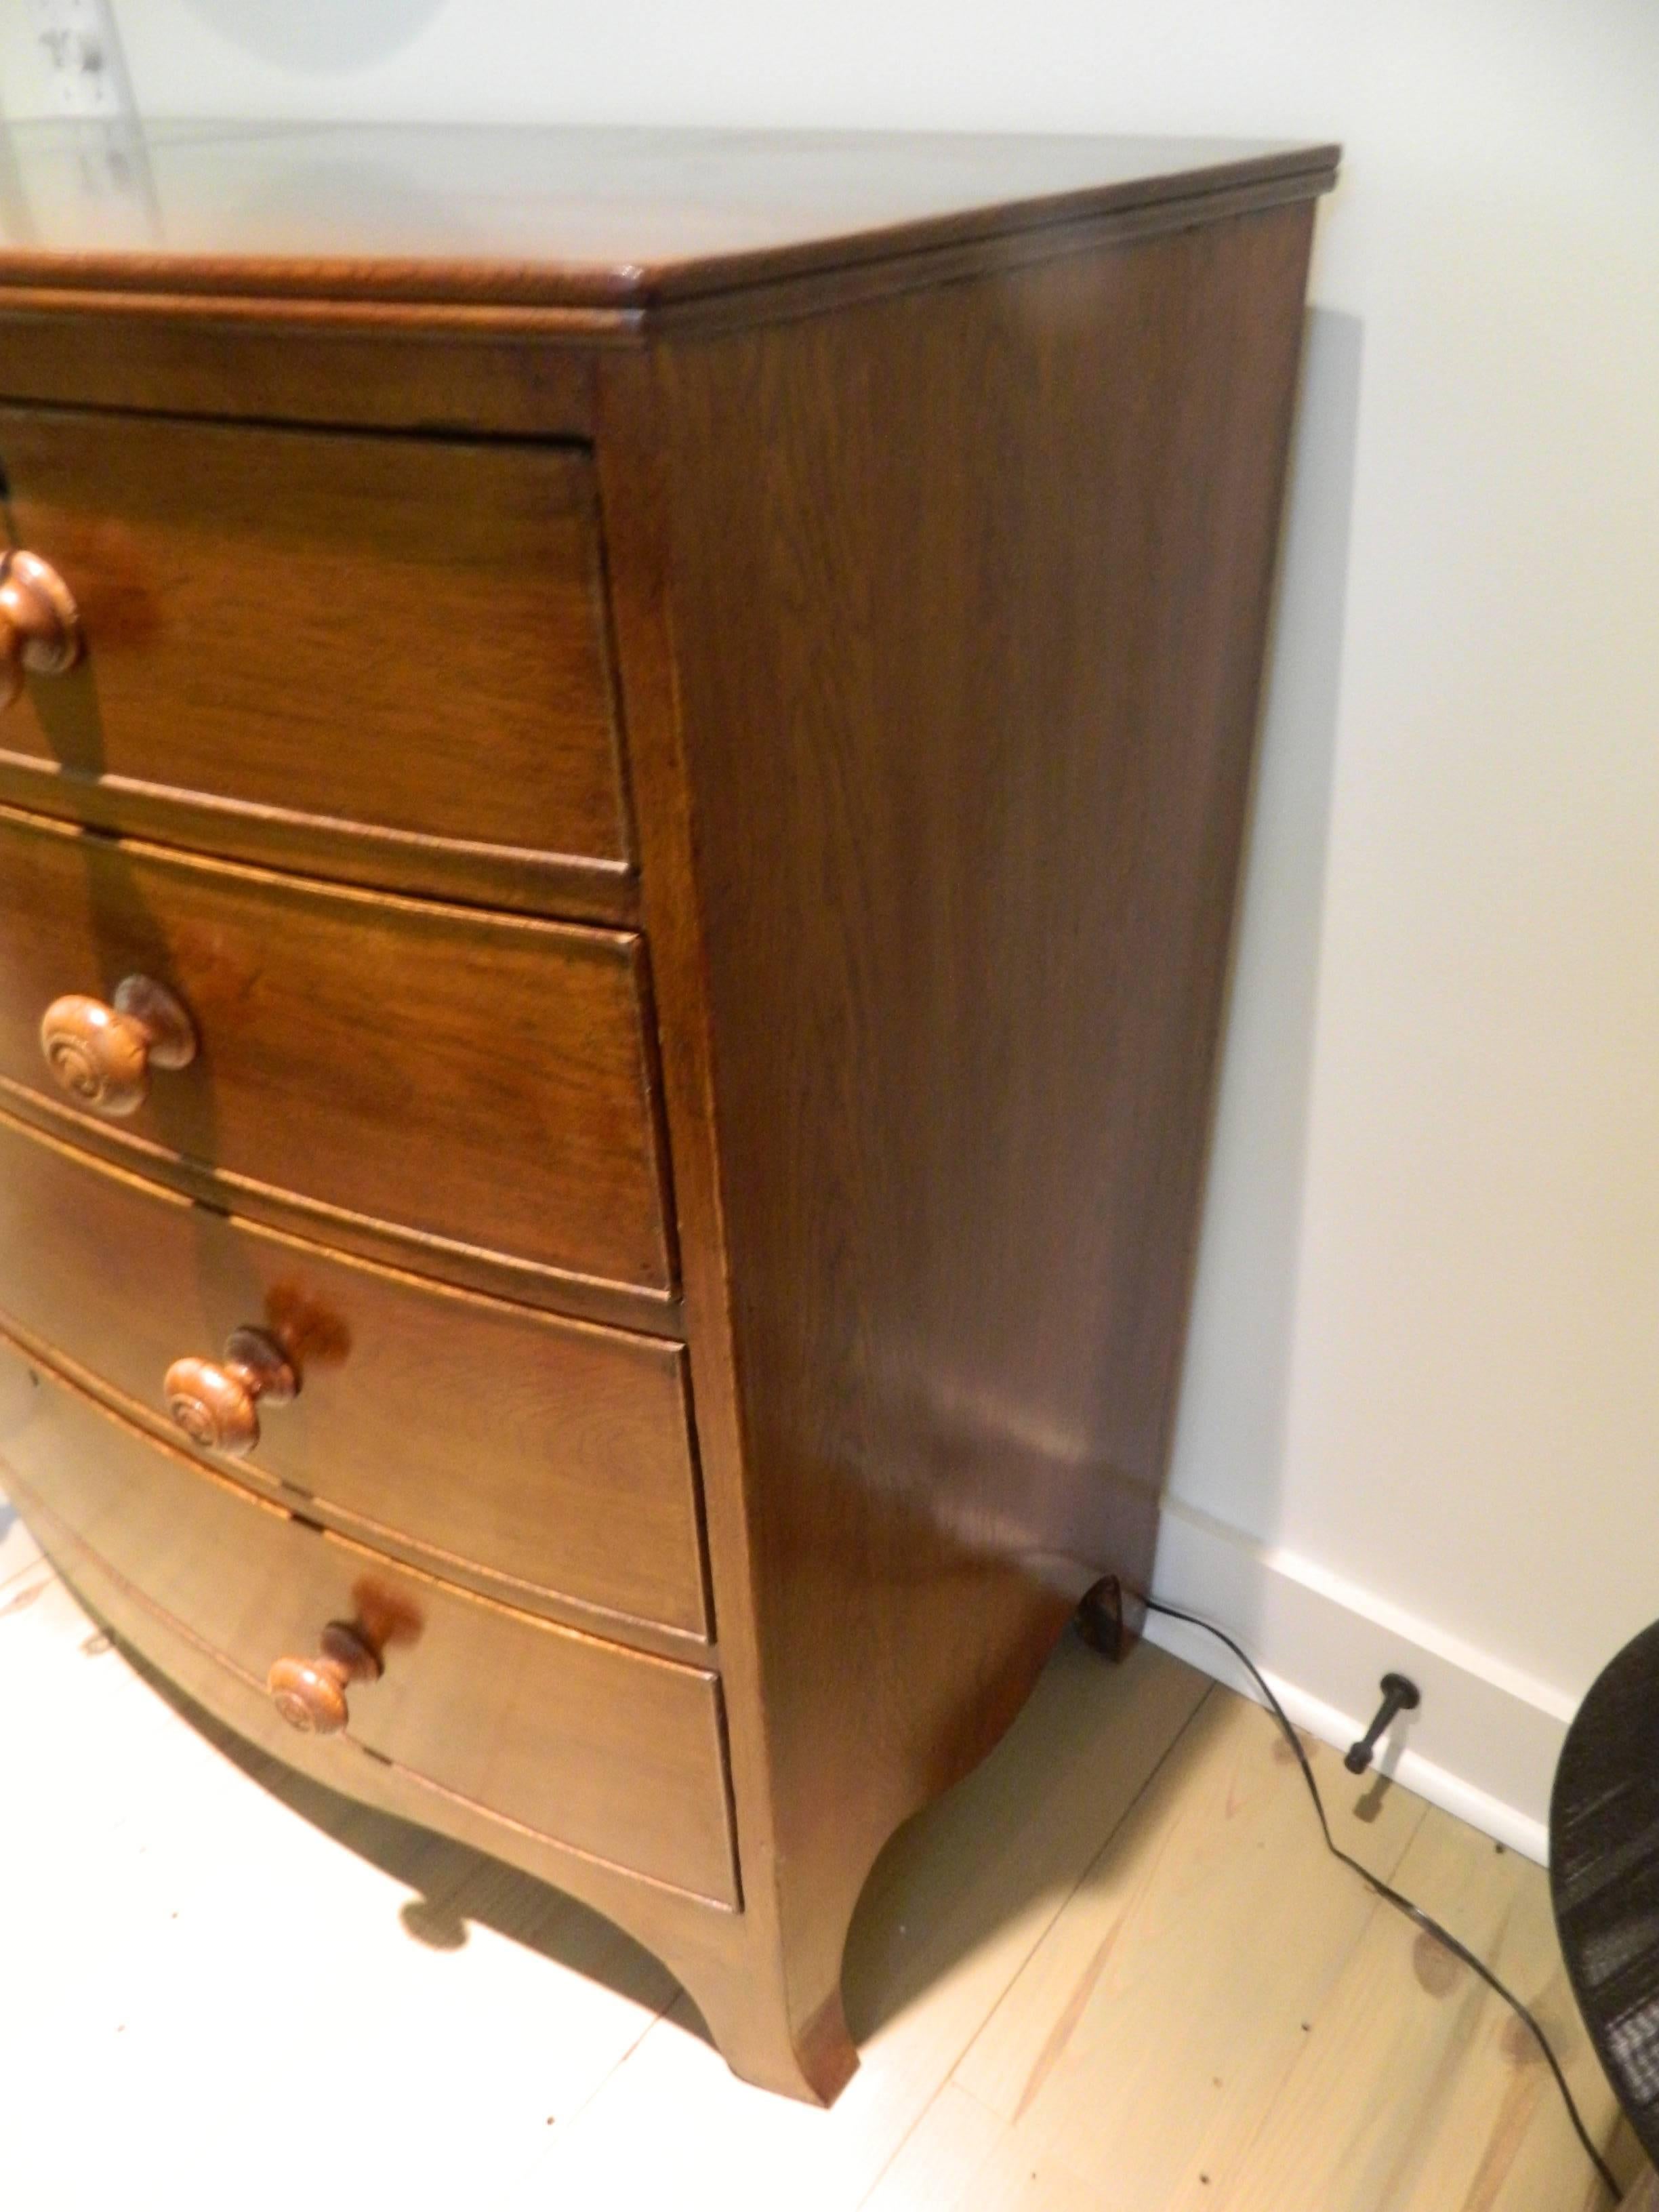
[[603, 1750], [445, 1073], [551, 1454], [375, 641]]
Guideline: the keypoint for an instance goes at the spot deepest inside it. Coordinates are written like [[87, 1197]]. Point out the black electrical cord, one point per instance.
[[1412, 1912]]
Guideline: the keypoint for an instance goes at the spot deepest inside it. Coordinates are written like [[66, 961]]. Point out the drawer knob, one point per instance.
[[102, 1055], [310, 1695], [216, 1406], [39, 625]]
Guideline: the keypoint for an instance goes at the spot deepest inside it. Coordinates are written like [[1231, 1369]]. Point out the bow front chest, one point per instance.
[[621, 785]]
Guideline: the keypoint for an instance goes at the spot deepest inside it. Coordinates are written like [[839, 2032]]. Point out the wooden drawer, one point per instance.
[[458, 1079], [605, 1751], [384, 658], [550, 1455]]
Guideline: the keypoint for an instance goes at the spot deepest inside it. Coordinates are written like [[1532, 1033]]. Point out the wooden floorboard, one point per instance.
[[1225, 2017], [1409, 2028], [1171, 2000], [1114, 1969]]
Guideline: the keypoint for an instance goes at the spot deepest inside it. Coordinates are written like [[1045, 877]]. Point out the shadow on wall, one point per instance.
[[1231, 1428], [319, 34]]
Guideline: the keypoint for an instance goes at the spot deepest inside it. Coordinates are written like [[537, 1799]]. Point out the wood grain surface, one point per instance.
[[989, 607], [469, 1079], [481, 1437], [602, 1750], [367, 646]]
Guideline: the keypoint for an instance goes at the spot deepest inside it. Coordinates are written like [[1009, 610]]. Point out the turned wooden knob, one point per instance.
[[310, 1694], [102, 1055], [39, 625], [216, 1406]]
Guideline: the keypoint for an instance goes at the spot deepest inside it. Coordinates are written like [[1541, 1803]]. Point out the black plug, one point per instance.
[[1399, 1696]]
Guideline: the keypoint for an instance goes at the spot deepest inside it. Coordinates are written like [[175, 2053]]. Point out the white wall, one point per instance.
[[1421, 1419]]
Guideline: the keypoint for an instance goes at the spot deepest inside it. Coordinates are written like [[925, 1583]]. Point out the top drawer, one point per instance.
[[383, 658]]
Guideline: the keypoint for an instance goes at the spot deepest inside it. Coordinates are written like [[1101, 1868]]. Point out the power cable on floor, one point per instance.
[[1412, 1912]]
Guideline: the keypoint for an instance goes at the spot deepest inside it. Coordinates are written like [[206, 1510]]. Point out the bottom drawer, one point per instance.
[[605, 1751]]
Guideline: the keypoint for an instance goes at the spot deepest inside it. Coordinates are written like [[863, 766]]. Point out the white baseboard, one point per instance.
[[1484, 1743]]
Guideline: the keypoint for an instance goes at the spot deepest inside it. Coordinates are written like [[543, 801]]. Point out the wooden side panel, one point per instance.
[[373, 639], [586, 1744], [970, 590], [550, 1457], [460, 1077]]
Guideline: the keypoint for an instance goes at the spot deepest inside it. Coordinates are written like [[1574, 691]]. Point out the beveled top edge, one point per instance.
[[610, 220]]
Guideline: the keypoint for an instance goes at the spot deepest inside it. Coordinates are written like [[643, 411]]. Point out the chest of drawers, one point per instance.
[[619, 814]]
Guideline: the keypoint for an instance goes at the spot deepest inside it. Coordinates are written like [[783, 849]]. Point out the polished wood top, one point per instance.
[[615, 219]]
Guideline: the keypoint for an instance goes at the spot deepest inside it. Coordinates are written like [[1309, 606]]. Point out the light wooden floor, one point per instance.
[[1113, 1971]]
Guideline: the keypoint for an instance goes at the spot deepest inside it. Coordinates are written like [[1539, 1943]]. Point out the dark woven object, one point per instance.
[[1604, 1873]]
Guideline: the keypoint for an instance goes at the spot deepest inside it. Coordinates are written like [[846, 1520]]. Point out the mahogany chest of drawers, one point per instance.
[[620, 797]]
